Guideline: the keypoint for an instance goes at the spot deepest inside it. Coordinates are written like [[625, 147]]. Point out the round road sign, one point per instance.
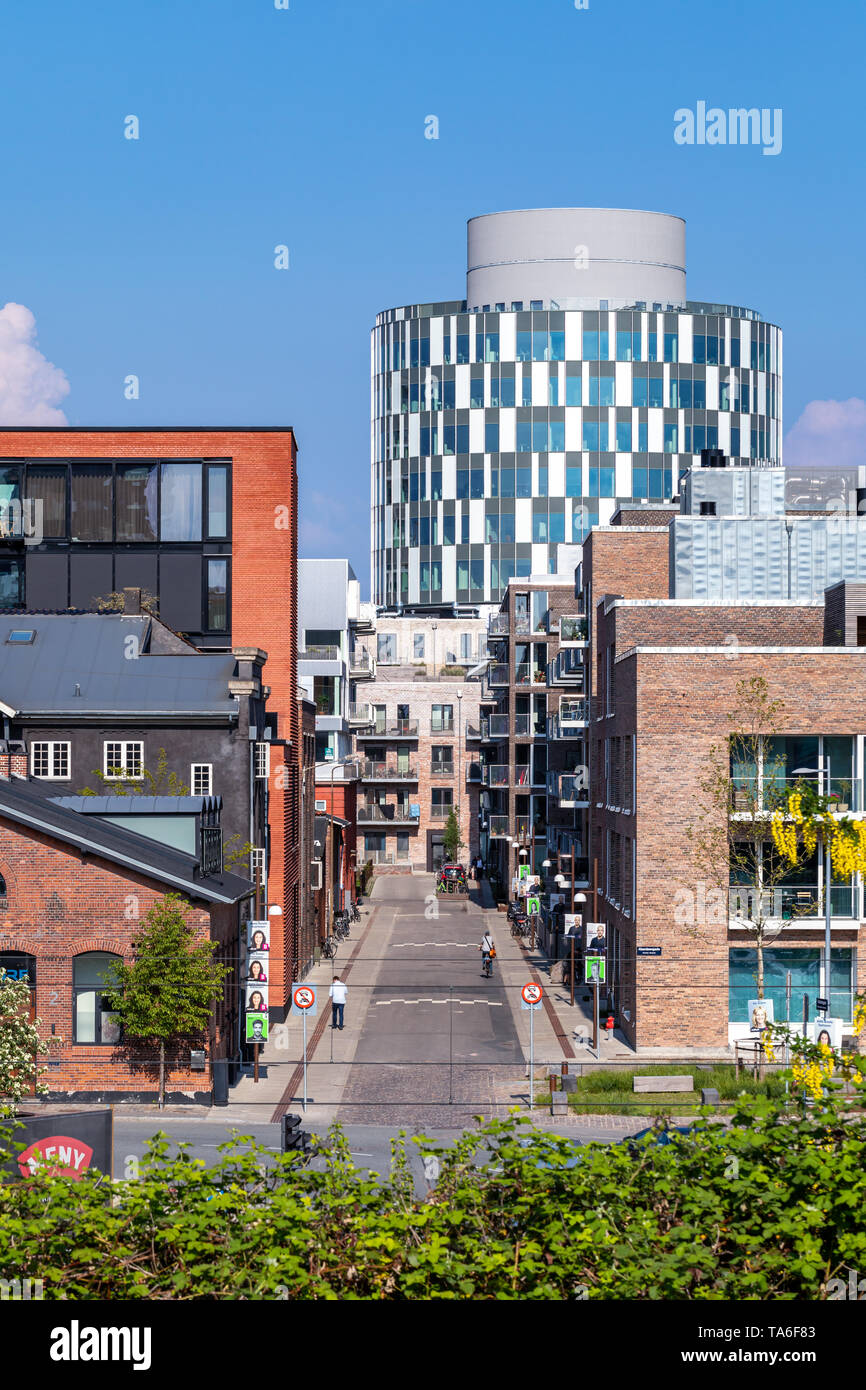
[[531, 994], [304, 997]]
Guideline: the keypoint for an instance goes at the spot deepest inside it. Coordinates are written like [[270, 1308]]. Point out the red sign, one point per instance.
[[57, 1155], [532, 993], [304, 998]]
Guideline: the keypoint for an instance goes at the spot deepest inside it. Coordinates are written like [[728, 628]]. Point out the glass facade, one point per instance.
[[497, 435]]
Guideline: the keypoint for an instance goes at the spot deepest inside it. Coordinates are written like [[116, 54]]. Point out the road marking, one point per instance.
[[491, 1003], [466, 945]]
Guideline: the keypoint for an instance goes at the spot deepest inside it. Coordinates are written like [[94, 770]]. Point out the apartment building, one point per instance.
[[533, 771], [335, 657], [685, 609]]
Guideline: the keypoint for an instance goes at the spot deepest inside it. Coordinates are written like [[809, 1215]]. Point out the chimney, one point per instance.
[[13, 759], [132, 601]]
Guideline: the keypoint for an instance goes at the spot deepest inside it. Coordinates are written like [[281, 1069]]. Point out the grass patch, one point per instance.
[[608, 1091]]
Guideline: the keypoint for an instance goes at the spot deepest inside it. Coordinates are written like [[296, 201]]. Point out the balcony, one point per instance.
[[361, 665], [441, 726], [360, 714], [567, 667], [496, 727], [394, 728], [569, 722], [474, 732], [573, 631], [520, 775], [387, 772], [442, 770], [498, 625], [498, 674], [569, 788], [753, 794], [387, 814], [497, 827], [384, 856], [441, 812], [790, 903], [495, 775], [319, 654]]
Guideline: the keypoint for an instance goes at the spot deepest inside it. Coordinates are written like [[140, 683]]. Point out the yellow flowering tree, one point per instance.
[[805, 817]]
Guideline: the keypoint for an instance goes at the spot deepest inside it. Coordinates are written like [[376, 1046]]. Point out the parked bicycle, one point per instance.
[[354, 913], [329, 948]]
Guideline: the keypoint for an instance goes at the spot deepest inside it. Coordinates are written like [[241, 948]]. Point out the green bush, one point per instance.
[[609, 1091], [771, 1207]]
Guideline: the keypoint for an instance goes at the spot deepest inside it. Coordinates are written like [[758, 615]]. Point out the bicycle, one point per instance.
[[354, 913], [329, 948], [487, 966]]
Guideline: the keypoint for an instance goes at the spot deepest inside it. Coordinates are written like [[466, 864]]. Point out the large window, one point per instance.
[[123, 758], [387, 645], [418, 644], [136, 501], [46, 487], [217, 500], [11, 577], [217, 595], [804, 966], [442, 759], [441, 802], [180, 502], [91, 510], [50, 761], [442, 719], [92, 1021]]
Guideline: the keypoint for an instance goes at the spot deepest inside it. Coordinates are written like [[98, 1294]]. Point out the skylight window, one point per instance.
[[20, 636]]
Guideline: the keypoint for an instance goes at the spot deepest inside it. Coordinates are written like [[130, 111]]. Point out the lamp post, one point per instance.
[[579, 898], [433, 627]]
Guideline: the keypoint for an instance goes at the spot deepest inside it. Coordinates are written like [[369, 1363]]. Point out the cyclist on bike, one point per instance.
[[488, 951]]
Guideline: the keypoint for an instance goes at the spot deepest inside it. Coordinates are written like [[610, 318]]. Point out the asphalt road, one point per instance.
[[438, 1036]]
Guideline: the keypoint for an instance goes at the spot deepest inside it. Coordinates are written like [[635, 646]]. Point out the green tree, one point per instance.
[[20, 1044], [117, 782], [451, 837], [731, 844], [168, 992]]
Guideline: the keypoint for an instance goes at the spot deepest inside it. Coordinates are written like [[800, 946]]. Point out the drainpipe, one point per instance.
[[789, 527]]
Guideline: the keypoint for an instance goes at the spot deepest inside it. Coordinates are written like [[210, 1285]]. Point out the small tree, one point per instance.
[[114, 602], [169, 991], [731, 842], [451, 838], [20, 1044], [117, 782]]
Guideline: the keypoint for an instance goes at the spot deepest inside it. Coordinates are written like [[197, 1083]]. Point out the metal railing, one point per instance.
[[387, 772], [387, 814], [569, 665], [498, 625], [393, 728], [361, 662], [569, 788], [787, 902], [498, 674], [442, 769], [317, 653], [360, 714], [523, 673], [497, 826], [440, 812], [495, 775], [441, 726], [573, 629], [770, 792], [522, 725], [385, 856]]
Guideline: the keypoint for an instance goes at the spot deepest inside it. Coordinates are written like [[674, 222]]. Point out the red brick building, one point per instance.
[[666, 674], [73, 890], [206, 520]]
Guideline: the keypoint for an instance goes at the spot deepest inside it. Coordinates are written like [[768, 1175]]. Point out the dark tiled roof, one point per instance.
[[31, 806]]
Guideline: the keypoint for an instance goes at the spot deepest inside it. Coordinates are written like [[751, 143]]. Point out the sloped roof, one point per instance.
[[30, 805], [92, 652]]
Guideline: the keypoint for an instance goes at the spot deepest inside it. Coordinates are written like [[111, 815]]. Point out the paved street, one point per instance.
[[438, 1038]]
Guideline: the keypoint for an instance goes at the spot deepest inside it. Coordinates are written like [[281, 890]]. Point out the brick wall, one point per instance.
[[711, 624], [61, 905]]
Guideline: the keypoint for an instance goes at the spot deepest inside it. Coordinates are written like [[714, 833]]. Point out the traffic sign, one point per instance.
[[531, 996], [594, 970], [304, 999]]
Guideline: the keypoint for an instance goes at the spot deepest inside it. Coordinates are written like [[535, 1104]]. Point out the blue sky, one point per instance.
[[305, 127]]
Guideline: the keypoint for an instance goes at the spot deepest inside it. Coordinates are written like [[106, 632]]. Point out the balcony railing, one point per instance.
[[498, 674], [441, 726], [497, 726], [474, 732], [788, 902], [572, 629], [440, 812], [522, 725], [568, 724], [770, 792], [385, 856], [316, 653], [498, 625], [442, 770], [387, 772], [387, 814], [568, 666], [361, 664], [569, 788], [497, 827], [521, 775], [495, 775], [523, 673], [393, 728], [360, 714]]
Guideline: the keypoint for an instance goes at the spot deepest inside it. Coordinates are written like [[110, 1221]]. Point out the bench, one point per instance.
[[663, 1083]]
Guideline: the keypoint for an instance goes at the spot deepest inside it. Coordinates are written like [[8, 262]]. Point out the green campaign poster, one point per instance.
[[533, 905], [257, 1027]]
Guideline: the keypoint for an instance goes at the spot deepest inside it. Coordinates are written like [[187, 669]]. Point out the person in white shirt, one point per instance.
[[338, 994]]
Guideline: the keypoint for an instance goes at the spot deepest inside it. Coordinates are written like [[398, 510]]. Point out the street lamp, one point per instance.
[[434, 627], [575, 898], [828, 872], [459, 755]]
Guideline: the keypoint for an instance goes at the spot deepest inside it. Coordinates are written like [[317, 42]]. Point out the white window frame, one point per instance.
[[263, 760], [123, 763], [200, 767], [258, 866], [54, 755]]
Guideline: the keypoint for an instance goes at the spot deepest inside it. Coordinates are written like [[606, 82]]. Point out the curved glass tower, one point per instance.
[[575, 375]]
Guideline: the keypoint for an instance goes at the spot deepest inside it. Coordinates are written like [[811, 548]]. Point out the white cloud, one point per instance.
[[31, 387], [828, 433]]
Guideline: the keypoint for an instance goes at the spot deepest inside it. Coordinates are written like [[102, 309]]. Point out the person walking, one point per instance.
[[337, 994]]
